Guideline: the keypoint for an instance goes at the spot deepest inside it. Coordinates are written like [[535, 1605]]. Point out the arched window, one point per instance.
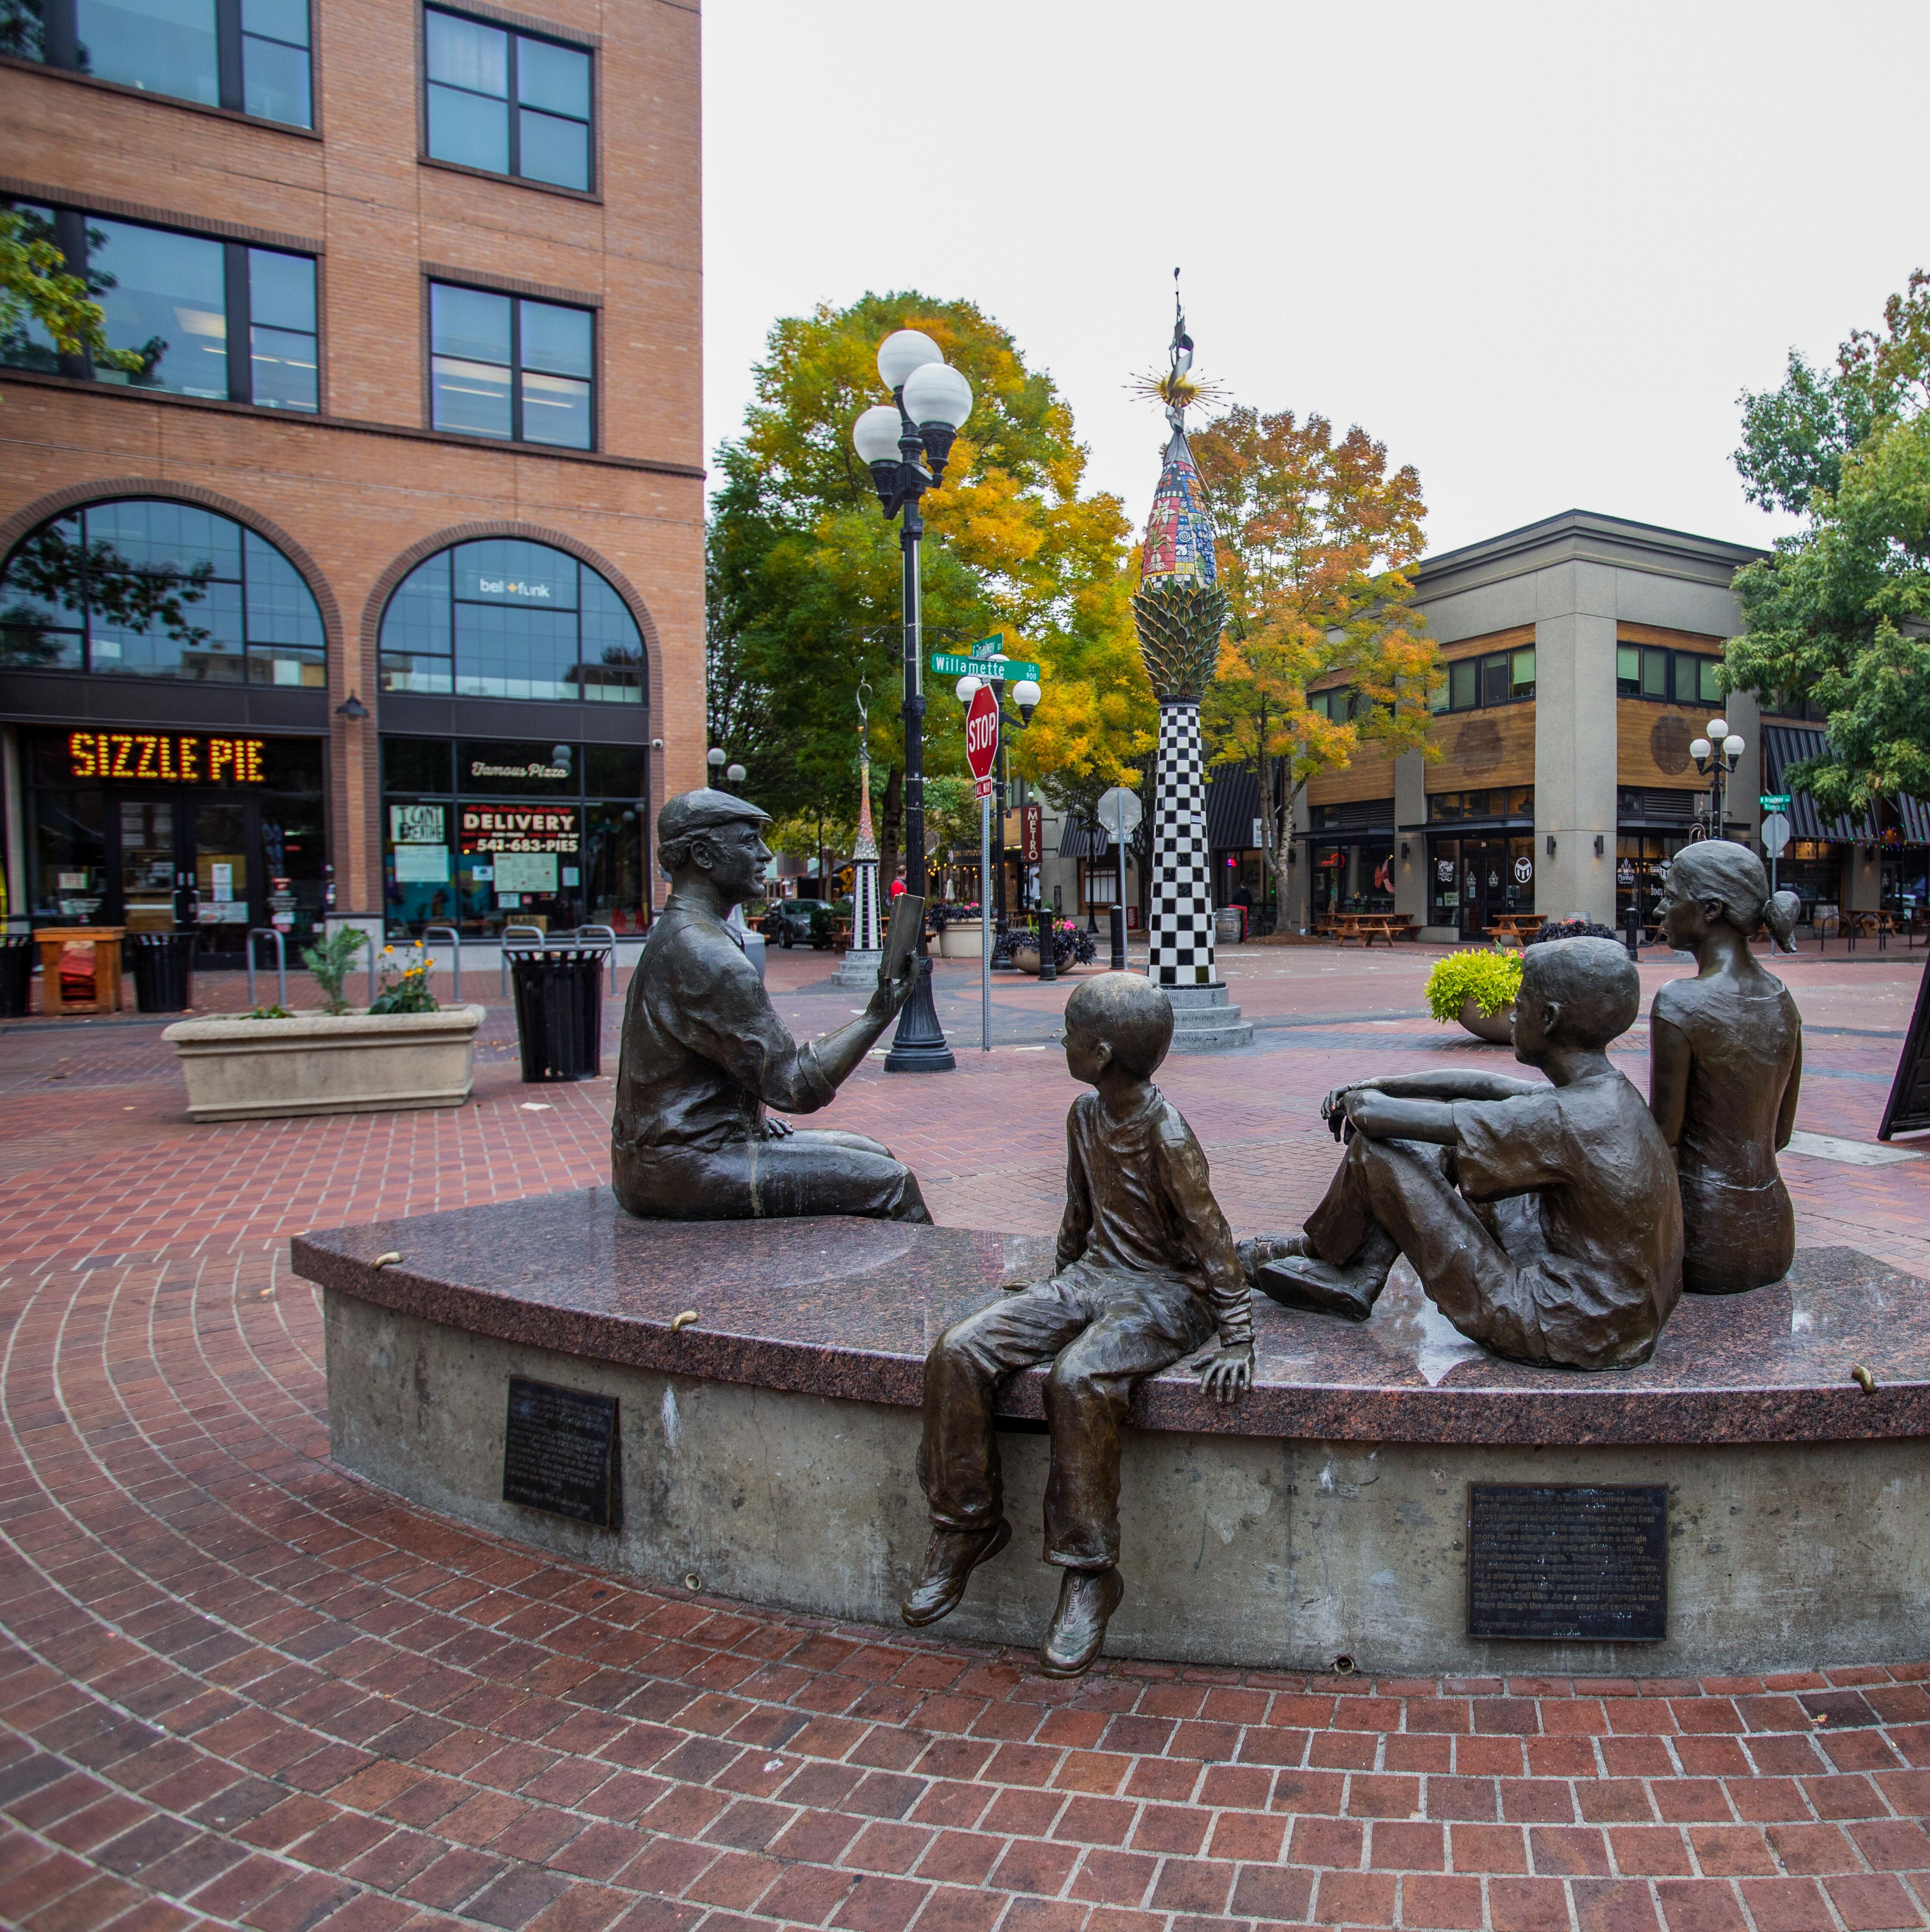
[[506, 618], [142, 587]]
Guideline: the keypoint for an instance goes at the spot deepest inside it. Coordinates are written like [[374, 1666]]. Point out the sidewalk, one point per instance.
[[237, 1687]]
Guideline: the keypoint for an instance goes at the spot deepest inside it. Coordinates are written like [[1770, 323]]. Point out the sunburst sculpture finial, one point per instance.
[[1178, 388]]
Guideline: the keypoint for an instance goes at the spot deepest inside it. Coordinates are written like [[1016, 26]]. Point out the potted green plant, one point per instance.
[[1477, 987], [406, 1051]]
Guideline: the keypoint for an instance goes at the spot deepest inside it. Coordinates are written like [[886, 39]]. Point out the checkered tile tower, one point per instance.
[[867, 924], [1178, 611]]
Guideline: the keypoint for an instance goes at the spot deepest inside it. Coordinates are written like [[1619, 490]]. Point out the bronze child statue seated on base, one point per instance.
[[1542, 1218], [1146, 1273]]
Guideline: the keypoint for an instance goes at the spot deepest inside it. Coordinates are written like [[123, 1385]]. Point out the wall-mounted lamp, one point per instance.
[[1403, 851], [352, 708], [1598, 845], [1551, 844]]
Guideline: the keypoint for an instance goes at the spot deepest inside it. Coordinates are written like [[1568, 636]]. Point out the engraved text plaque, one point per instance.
[[1575, 1562]]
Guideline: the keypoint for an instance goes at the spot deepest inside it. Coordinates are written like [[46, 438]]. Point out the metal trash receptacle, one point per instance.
[[559, 994], [164, 971], [16, 973]]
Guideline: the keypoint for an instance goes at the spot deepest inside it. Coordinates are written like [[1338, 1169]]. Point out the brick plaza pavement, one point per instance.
[[237, 1687]]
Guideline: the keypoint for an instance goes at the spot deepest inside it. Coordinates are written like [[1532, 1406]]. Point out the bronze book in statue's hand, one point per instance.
[[901, 939]]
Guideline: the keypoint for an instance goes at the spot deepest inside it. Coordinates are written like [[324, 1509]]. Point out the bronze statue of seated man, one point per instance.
[[1542, 1218], [1146, 1272], [704, 1053]]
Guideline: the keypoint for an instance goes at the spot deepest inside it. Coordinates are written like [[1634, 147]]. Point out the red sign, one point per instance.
[[982, 733]]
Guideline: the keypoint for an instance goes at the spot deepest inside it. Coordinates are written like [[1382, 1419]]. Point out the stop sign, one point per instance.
[[982, 732]]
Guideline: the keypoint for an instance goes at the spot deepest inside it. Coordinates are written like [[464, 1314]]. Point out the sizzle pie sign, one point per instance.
[[165, 758]]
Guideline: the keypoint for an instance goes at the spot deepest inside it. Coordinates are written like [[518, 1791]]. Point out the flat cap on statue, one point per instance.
[[699, 811]]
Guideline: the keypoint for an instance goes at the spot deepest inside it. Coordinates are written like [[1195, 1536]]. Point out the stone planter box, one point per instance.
[[326, 1063], [962, 941], [1496, 1028]]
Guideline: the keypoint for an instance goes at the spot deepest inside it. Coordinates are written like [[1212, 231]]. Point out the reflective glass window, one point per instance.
[[1708, 690], [186, 304], [504, 366], [1521, 672], [1628, 670], [146, 588], [274, 61], [163, 296], [510, 103], [251, 56], [163, 47], [283, 361], [511, 619], [1464, 685]]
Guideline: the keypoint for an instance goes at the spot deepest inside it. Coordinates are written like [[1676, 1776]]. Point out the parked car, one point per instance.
[[800, 921]]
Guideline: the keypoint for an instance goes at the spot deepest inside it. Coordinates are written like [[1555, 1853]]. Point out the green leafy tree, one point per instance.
[[1837, 615], [805, 571], [1317, 544]]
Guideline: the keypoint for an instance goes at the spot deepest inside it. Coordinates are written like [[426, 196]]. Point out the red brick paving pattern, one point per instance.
[[239, 1688]]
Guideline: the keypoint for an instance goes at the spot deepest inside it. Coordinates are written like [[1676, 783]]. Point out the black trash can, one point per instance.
[[164, 971], [16, 973], [559, 992]]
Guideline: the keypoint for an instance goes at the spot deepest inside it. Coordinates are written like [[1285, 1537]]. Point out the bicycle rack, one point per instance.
[[439, 933], [281, 963]]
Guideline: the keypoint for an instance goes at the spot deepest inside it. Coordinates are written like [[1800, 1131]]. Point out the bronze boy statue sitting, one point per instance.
[[1146, 1272], [1543, 1219]]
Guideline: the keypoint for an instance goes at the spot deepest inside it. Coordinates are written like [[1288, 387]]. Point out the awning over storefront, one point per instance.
[[1782, 745], [1233, 804], [1078, 840]]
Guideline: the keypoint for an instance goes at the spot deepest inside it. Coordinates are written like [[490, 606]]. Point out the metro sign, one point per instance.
[[982, 737]]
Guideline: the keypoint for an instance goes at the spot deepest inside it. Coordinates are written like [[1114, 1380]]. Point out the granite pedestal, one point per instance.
[[768, 1447]]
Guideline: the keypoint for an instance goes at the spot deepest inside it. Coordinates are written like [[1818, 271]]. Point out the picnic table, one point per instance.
[[1516, 925], [1367, 927]]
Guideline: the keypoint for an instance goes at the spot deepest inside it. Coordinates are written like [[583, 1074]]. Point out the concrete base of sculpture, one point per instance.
[[858, 970], [1205, 1020], [768, 1449], [239, 1069]]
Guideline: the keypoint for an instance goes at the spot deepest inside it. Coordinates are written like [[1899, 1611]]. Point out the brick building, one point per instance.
[[379, 591]]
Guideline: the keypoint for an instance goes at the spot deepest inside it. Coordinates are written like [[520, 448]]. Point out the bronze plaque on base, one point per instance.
[[560, 1453], [1573, 1562]]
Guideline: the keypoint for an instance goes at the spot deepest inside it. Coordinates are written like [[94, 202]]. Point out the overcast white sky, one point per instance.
[[1536, 250]]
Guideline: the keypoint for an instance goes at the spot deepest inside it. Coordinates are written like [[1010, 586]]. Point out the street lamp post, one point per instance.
[[1716, 756], [930, 401]]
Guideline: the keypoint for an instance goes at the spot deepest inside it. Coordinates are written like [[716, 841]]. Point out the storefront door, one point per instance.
[[1474, 880], [185, 858]]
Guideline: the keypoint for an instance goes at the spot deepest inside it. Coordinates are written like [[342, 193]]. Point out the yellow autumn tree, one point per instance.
[[1317, 544]]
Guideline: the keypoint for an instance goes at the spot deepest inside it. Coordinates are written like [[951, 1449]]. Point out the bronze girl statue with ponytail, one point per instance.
[[1725, 1059]]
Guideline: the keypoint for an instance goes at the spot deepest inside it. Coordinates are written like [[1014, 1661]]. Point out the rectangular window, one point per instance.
[[504, 366], [1499, 678], [251, 56], [1494, 680], [1678, 677], [1464, 685], [508, 103], [1521, 672], [213, 319]]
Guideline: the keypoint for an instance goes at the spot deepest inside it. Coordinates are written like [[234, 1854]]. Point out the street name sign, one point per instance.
[[946, 664], [1774, 801]]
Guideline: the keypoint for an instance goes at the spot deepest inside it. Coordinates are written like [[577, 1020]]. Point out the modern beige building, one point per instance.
[[416, 451]]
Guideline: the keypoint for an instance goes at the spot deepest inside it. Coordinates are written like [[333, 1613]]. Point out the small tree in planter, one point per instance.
[[1478, 988]]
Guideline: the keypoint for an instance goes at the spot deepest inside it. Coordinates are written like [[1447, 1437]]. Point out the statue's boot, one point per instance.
[[1087, 1599], [1296, 1277], [950, 1557]]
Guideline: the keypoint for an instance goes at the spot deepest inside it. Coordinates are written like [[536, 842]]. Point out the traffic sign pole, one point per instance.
[[985, 921]]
